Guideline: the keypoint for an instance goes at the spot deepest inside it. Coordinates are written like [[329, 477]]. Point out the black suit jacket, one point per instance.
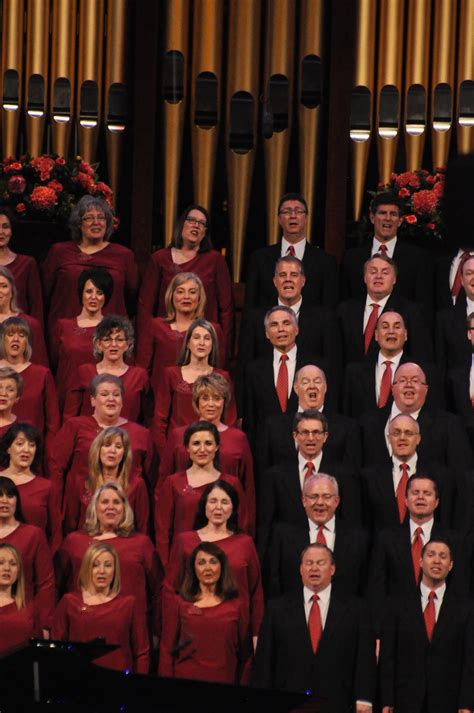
[[343, 668], [277, 443], [351, 550], [351, 320], [417, 675], [320, 268], [444, 298], [414, 278], [453, 349], [459, 398]]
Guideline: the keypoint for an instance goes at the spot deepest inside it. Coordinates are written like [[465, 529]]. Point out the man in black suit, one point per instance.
[[415, 268], [280, 488], [321, 286], [427, 644], [443, 439], [315, 642], [343, 442], [448, 282], [358, 316], [460, 385], [453, 350], [350, 545]]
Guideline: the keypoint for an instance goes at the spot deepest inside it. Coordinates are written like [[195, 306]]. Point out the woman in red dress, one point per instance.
[[20, 455], [217, 521], [113, 344], [17, 619], [177, 499], [91, 225], [11, 388], [31, 543], [173, 395], [38, 403], [211, 396], [205, 627], [110, 461], [161, 341], [100, 610], [109, 517], [71, 339], [191, 251], [23, 268], [9, 308]]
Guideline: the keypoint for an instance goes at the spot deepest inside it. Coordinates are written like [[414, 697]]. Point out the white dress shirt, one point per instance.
[[290, 365], [302, 466], [329, 530], [438, 600], [296, 307], [397, 469], [469, 306], [324, 599], [390, 245], [380, 370], [299, 247], [368, 308], [454, 268], [426, 530], [471, 378]]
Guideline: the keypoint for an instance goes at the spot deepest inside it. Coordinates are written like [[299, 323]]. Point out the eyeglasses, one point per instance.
[[325, 497], [113, 340], [291, 211], [315, 382], [195, 221], [414, 381], [397, 432], [94, 219], [306, 434]]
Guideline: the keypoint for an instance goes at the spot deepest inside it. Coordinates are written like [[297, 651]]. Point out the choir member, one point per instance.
[[38, 403], [100, 610], [112, 345], [23, 268], [17, 619], [20, 457], [31, 543], [91, 224], [173, 398], [211, 397], [71, 338], [9, 307], [161, 339], [176, 500], [205, 626], [191, 251], [110, 461], [109, 517], [11, 388], [217, 521]]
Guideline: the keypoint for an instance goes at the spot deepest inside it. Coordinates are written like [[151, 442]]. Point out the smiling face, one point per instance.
[[5, 231], [211, 406], [110, 510], [386, 221], [111, 453], [310, 438], [9, 567], [288, 282], [93, 226], [320, 500], [200, 343], [186, 298], [103, 571], [310, 386], [194, 229], [404, 437], [5, 293], [380, 278], [22, 452], [107, 402], [390, 333], [293, 220], [436, 563], [207, 569], [93, 298], [15, 343], [281, 330], [8, 394], [218, 507], [316, 569], [202, 448], [409, 388]]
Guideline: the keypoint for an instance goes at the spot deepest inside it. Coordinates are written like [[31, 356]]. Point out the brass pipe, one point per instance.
[[63, 51], [417, 81], [89, 76], [442, 80], [36, 78], [465, 78], [12, 73]]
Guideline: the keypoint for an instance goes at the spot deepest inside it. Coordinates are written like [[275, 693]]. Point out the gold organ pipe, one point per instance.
[[242, 82], [362, 100], [176, 49], [36, 79], [114, 87], [310, 44], [416, 81], [465, 127], [12, 73], [278, 62], [389, 84], [89, 76], [63, 48], [207, 57], [442, 79]]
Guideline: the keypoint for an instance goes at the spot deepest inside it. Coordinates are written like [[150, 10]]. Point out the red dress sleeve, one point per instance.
[[225, 303], [169, 637], [52, 419], [60, 629], [139, 502], [44, 584], [149, 291], [164, 518], [168, 462], [40, 354], [75, 394], [60, 455], [161, 416], [140, 642]]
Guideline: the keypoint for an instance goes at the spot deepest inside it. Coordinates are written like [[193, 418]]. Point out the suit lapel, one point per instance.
[[296, 614]]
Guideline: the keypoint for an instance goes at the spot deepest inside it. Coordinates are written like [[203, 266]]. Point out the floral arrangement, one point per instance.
[[422, 195], [47, 187]]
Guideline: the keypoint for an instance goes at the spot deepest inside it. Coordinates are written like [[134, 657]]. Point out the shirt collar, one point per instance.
[[291, 354], [440, 591], [324, 595], [296, 307], [426, 527], [410, 463], [394, 359], [317, 461], [381, 303], [390, 245]]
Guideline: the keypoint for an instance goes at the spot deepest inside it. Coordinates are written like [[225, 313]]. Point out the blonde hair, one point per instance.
[[84, 578], [105, 437], [92, 525], [8, 275], [176, 282], [209, 384], [18, 587]]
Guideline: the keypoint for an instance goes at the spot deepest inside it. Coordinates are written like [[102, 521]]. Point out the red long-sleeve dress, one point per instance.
[[205, 644], [40, 507], [65, 262], [210, 266], [38, 403], [17, 626], [118, 622], [31, 543], [174, 404], [243, 561], [138, 567], [135, 393], [175, 509], [28, 285], [70, 346]]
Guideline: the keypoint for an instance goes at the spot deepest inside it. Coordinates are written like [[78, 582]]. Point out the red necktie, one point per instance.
[[314, 623], [291, 251], [430, 615], [309, 467], [416, 548], [370, 326], [282, 383], [383, 249], [385, 384], [457, 280], [321, 539], [402, 491]]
